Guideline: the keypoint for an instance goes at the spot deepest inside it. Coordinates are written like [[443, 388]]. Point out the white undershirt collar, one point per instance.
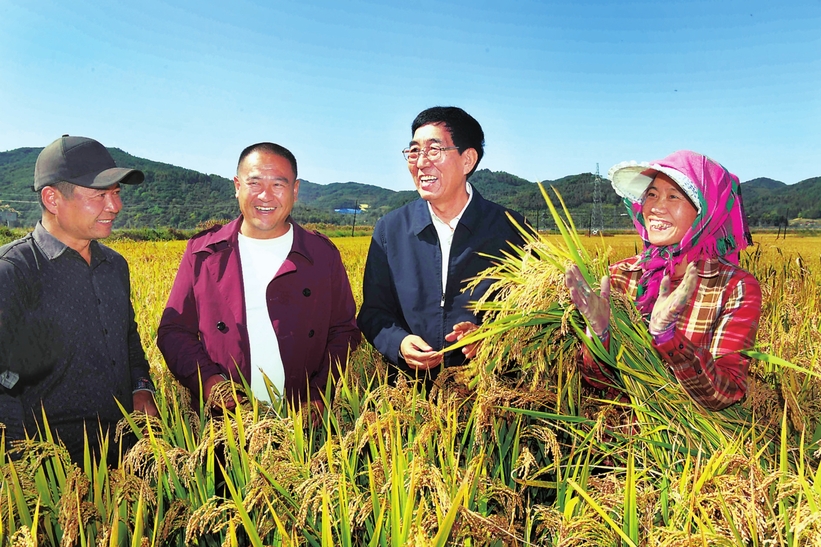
[[445, 230]]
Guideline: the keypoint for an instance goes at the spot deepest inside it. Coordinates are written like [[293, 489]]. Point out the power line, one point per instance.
[[596, 221]]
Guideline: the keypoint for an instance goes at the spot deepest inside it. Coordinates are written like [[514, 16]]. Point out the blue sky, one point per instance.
[[557, 86]]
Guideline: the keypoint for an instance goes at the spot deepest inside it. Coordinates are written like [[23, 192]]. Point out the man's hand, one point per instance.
[[144, 402], [460, 330], [418, 354], [208, 386], [594, 308], [669, 305]]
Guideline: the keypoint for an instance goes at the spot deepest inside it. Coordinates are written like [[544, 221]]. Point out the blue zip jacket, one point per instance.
[[402, 285]]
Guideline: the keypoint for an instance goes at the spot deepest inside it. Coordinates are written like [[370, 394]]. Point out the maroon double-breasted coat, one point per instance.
[[203, 328]]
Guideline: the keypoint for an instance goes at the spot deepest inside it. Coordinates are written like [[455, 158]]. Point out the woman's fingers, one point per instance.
[[580, 291], [605, 288], [594, 307], [664, 288], [669, 306]]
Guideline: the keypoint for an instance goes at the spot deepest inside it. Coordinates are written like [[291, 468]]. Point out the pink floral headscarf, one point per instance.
[[719, 230]]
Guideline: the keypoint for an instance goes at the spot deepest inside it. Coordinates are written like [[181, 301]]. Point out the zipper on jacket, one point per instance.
[[442, 302]]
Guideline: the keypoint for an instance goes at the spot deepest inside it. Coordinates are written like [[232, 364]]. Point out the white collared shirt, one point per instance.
[[445, 232]]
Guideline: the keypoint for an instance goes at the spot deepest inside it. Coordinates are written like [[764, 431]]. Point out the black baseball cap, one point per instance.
[[81, 161]]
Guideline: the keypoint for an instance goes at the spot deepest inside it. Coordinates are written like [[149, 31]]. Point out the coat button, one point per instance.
[[698, 371], [306, 292], [221, 326], [311, 333]]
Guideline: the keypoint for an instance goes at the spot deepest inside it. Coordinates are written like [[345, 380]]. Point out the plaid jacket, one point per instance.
[[703, 353]]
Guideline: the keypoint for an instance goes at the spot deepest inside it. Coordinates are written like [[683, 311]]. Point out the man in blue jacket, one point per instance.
[[421, 255]]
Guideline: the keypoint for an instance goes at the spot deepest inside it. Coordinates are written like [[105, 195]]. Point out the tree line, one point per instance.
[[182, 198]]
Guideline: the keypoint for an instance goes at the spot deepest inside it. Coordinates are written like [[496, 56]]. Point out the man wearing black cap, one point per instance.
[[69, 346]]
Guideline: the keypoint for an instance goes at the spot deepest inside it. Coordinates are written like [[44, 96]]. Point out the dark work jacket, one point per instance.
[[67, 327], [402, 287], [203, 328]]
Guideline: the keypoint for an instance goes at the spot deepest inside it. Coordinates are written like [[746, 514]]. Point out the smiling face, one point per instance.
[[668, 214], [441, 183], [266, 188], [84, 215]]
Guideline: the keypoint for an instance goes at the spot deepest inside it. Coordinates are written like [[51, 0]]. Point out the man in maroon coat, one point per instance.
[[261, 298]]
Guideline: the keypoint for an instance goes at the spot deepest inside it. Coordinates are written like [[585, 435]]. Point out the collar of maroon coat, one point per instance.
[[223, 264], [227, 236]]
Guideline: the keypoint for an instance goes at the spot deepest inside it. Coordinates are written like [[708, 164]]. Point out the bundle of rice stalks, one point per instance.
[[532, 329]]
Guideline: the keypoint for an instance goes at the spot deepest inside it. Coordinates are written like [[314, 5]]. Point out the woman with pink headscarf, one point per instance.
[[701, 307]]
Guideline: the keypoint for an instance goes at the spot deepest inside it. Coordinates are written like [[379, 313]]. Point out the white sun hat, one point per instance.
[[631, 178]]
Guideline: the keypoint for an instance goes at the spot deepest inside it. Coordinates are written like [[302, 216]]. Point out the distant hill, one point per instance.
[[182, 198], [768, 201], [171, 195], [339, 195], [764, 184]]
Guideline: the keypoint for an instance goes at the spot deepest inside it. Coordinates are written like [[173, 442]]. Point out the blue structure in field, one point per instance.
[[347, 211]]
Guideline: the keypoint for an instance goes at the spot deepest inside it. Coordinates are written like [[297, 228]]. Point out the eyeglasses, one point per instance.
[[433, 153]]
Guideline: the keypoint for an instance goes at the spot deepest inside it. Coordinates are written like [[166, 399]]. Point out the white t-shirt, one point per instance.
[[261, 259], [445, 232]]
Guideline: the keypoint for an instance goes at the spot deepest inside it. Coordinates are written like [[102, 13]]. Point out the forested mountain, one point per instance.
[[170, 196], [347, 195], [182, 198], [769, 202]]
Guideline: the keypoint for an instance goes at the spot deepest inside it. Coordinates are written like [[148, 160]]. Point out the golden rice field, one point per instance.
[[509, 451]]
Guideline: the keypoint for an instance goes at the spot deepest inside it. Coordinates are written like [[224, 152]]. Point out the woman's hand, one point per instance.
[[595, 308], [669, 305]]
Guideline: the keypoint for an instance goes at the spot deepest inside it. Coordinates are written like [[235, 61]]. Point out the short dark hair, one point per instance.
[[272, 148], [65, 188], [463, 128]]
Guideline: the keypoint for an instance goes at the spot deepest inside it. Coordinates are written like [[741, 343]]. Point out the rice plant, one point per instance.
[[510, 450]]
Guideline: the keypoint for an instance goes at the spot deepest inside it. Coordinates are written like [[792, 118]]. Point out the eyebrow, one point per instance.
[[673, 187], [258, 177], [429, 141], [115, 186]]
